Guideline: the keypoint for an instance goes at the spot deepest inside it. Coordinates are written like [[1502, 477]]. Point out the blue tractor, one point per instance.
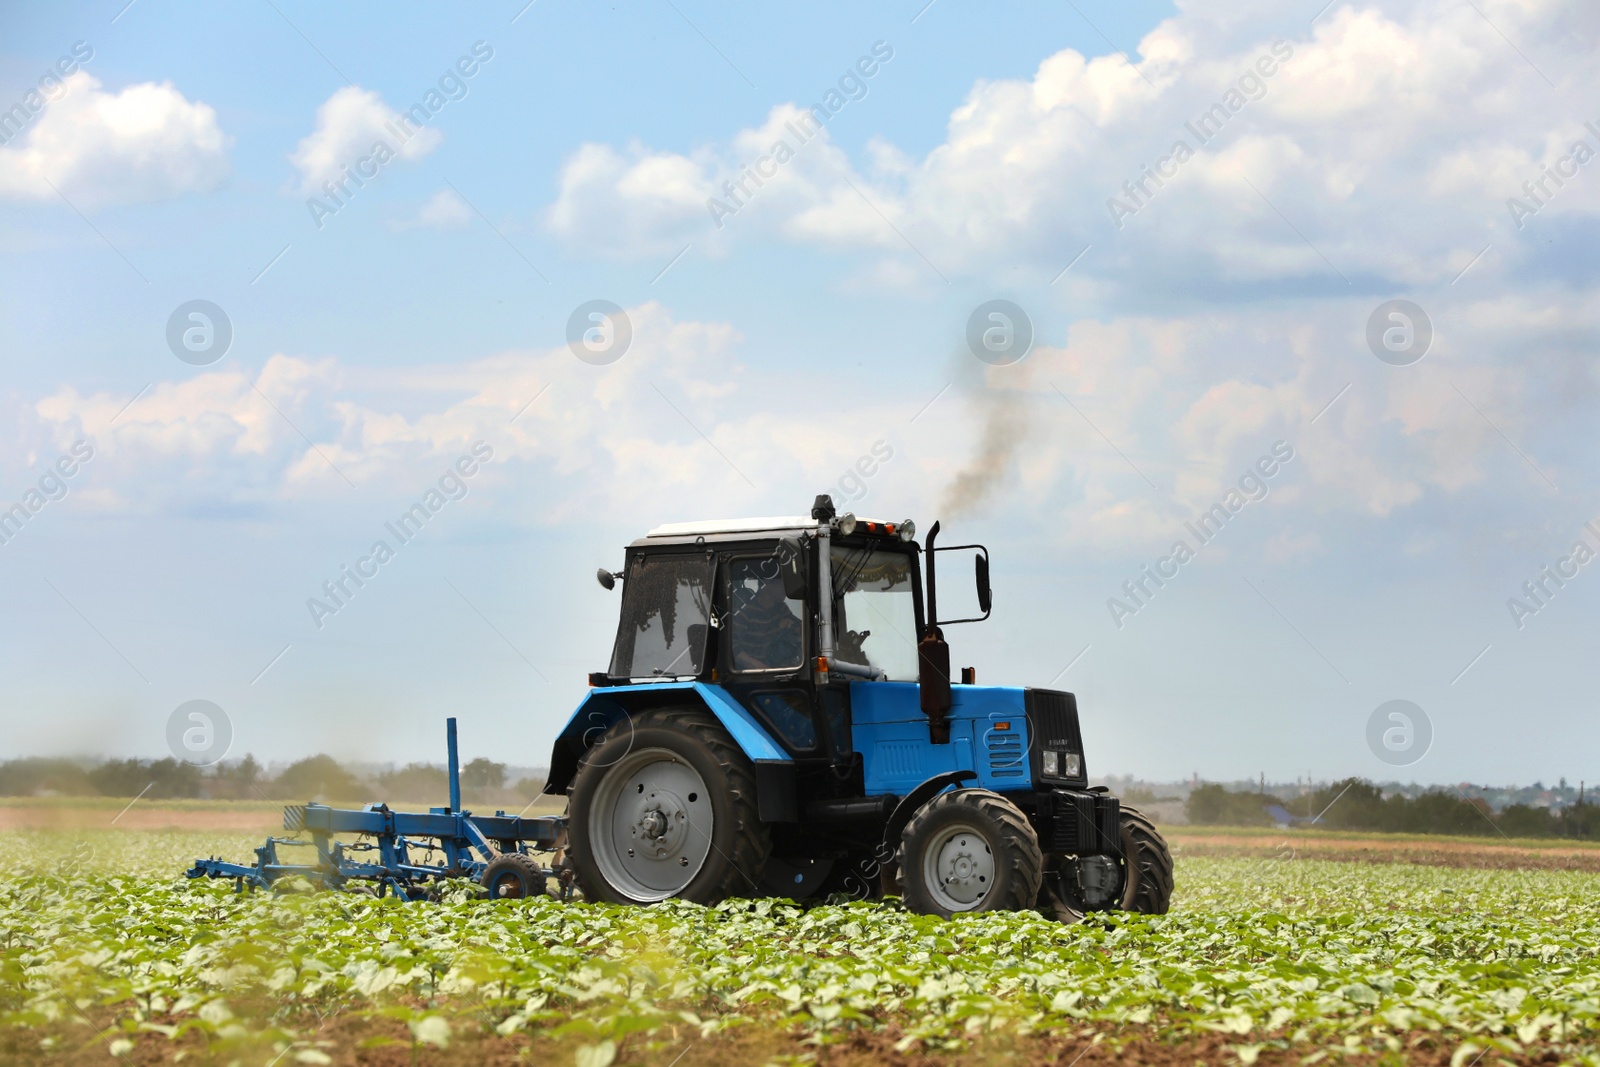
[[779, 718]]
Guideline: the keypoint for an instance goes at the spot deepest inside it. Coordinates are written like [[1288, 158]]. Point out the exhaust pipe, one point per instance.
[[933, 657]]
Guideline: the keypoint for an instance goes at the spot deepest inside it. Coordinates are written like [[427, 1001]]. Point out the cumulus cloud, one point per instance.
[[1136, 423], [351, 124], [637, 203], [606, 438], [145, 143], [1362, 115], [1112, 438], [644, 202]]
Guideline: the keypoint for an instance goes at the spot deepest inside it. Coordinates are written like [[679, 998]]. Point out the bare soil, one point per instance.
[[1438, 851], [363, 1041], [143, 815], [217, 816]]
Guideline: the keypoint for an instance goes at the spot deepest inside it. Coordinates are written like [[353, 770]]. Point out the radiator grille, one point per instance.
[[1006, 758], [1053, 723]]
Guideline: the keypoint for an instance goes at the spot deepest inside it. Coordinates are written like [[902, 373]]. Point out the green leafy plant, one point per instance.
[[1268, 953]]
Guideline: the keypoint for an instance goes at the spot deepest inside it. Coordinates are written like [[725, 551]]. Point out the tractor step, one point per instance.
[[852, 809]]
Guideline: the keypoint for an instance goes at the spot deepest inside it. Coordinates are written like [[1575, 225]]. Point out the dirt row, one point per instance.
[[365, 1041], [1495, 853], [139, 816], [1492, 853], [201, 816]]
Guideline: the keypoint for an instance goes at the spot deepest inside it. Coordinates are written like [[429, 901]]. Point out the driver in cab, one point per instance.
[[766, 626]]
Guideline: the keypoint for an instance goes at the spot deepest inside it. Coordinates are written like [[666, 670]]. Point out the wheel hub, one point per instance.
[[959, 868], [650, 825], [662, 824]]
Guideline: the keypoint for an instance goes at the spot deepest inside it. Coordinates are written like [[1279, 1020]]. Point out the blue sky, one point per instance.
[[1181, 331]]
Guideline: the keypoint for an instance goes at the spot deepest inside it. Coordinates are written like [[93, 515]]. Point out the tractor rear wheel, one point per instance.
[[665, 806], [969, 850], [1147, 864], [512, 876]]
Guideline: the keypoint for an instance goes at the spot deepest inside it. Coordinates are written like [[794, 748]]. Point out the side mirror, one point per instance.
[[981, 566], [606, 579], [980, 573], [790, 558]]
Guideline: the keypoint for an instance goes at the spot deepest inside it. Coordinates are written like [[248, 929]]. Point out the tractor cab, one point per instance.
[[779, 713], [748, 606]]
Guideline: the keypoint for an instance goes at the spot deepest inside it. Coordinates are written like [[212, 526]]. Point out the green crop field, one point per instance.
[[106, 951]]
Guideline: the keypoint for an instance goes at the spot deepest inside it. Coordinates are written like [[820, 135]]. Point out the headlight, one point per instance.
[[907, 530], [847, 523], [1054, 764]]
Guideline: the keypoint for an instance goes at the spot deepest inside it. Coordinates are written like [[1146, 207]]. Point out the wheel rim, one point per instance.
[[958, 868], [650, 825], [509, 885]]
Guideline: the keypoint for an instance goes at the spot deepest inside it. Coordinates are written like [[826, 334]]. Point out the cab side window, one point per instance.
[[766, 629], [786, 710]]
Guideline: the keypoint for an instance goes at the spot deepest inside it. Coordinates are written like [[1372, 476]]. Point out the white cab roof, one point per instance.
[[729, 526]]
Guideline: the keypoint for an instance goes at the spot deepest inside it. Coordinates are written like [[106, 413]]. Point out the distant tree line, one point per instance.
[[1357, 804], [314, 778]]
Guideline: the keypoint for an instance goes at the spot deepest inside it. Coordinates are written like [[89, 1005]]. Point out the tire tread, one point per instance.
[[752, 839], [1020, 843], [1147, 854], [524, 864]]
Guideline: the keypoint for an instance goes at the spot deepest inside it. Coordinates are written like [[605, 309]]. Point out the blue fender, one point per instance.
[[605, 707]]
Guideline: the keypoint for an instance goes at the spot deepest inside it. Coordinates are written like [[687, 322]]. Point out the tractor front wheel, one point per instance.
[[665, 806], [1135, 876], [969, 850]]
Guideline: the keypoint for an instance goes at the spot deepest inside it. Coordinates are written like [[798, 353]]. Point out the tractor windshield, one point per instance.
[[875, 613], [666, 610]]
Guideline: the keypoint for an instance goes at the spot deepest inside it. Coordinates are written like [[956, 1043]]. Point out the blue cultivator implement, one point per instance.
[[495, 850]]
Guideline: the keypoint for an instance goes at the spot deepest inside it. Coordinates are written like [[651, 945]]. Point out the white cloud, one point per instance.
[[232, 435], [1148, 399], [443, 210], [145, 143], [351, 125], [1422, 115], [650, 203], [612, 204]]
